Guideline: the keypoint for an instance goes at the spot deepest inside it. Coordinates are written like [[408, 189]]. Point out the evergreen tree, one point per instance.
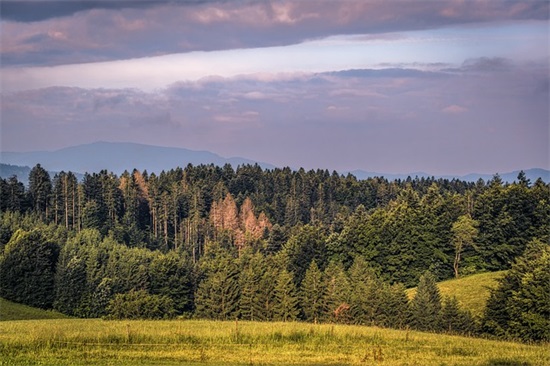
[[365, 295], [286, 305], [520, 305], [217, 295], [27, 269], [394, 305], [454, 319], [425, 307], [171, 275], [313, 294], [40, 190], [250, 281], [337, 294]]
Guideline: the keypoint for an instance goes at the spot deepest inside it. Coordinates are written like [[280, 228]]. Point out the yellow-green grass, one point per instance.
[[470, 291], [13, 311], [184, 342]]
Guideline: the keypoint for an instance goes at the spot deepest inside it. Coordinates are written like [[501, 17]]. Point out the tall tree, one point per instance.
[[286, 305], [464, 233], [27, 269], [312, 294], [40, 190], [520, 305], [426, 305]]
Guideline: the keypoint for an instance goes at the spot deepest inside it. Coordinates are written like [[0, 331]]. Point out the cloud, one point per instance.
[[454, 109], [316, 120], [111, 30]]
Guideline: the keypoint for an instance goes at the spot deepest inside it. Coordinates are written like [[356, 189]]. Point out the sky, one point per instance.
[[395, 86]]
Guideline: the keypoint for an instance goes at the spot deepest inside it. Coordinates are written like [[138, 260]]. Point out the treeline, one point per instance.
[[258, 244]]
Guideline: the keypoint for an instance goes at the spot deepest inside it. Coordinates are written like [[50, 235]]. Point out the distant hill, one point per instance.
[[117, 157], [472, 291], [531, 174], [13, 311], [21, 172], [120, 156]]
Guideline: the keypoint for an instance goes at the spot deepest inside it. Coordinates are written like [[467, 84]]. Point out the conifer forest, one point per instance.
[[228, 243]]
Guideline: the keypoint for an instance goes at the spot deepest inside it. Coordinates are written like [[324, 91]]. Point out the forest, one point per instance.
[[289, 245]]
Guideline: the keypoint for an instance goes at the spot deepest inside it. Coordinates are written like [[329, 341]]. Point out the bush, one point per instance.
[[140, 305]]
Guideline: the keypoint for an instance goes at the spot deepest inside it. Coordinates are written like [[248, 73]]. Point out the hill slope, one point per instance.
[[13, 311], [471, 291]]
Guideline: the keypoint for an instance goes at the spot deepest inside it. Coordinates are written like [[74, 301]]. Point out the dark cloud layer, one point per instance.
[[37, 10], [64, 32]]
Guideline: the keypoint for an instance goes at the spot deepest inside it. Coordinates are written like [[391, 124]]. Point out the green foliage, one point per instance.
[[464, 232], [217, 295], [520, 306], [365, 294], [425, 308], [454, 319], [140, 305], [337, 293], [347, 245], [313, 294], [252, 300], [27, 269], [286, 298]]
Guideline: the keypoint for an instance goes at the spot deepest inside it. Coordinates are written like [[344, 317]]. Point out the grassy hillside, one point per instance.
[[99, 342], [471, 291], [13, 311]]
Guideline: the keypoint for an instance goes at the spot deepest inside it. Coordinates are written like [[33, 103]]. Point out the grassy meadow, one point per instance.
[[13, 311], [102, 342], [470, 291]]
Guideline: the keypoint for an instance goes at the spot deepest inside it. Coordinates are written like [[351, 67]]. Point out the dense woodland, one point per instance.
[[215, 242]]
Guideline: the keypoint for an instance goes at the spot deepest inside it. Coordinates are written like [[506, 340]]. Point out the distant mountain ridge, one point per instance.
[[120, 156], [531, 174]]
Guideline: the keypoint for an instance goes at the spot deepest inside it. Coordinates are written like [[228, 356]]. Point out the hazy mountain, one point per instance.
[[117, 157], [531, 174]]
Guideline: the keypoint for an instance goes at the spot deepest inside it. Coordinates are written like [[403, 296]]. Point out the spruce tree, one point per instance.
[[425, 309], [250, 282], [217, 295], [365, 295], [286, 299], [520, 306], [313, 294], [454, 319], [337, 294], [27, 269]]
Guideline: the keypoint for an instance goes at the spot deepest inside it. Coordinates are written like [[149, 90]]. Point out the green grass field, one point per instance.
[[180, 342], [471, 291], [24, 340], [13, 311]]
